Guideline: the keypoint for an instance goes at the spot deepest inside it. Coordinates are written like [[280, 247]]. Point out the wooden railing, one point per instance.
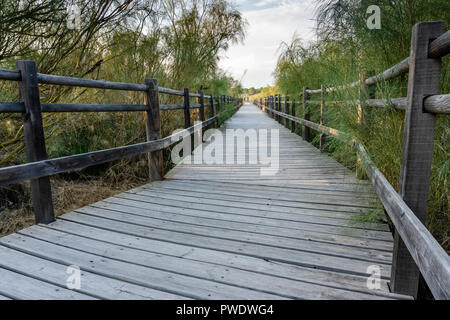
[[415, 249], [39, 168]]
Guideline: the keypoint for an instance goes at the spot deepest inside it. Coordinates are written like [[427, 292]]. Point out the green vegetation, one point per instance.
[[345, 47], [176, 41]]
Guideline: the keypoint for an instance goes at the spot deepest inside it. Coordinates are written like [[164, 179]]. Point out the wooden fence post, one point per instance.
[[41, 192], [280, 118], [272, 105], [306, 134], [153, 128], [278, 106], [365, 92], [293, 114], [275, 107], [424, 77], [322, 116], [212, 112], [201, 101], [286, 110], [187, 111]]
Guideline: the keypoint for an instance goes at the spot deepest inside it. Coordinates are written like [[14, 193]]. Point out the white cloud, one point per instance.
[[267, 28]]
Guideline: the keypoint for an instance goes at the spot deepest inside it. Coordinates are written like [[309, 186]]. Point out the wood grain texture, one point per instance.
[[418, 143]]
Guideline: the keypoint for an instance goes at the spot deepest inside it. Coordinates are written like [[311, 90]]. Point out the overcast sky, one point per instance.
[[269, 23]]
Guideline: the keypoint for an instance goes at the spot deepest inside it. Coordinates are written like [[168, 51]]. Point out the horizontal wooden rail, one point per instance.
[[38, 169], [18, 107], [437, 104], [14, 75], [413, 244], [430, 257], [438, 48], [88, 83]]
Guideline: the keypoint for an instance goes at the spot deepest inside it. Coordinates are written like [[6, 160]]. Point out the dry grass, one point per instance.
[[67, 196]]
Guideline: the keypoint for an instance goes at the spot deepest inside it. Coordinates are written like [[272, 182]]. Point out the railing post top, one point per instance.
[[152, 83]]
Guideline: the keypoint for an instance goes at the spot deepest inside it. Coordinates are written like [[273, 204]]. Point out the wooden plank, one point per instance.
[[183, 225], [202, 204], [90, 283], [270, 218], [264, 266], [18, 286], [248, 224], [137, 273], [280, 193], [313, 209], [224, 240], [153, 129], [220, 274], [418, 143], [41, 192], [257, 198]]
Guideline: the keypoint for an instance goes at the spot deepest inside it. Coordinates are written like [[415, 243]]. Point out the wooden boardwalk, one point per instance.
[[213, 232]]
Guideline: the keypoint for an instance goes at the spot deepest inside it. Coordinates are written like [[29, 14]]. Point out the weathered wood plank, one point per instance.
[[136, 273], [90, 283], [264, 266], [21, 287], [214, 272]]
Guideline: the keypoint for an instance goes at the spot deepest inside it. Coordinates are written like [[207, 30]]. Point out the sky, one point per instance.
[[270, 22]]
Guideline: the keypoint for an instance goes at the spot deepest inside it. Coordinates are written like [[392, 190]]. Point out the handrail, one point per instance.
[[441, 46], [430, 257], [14, 75], [436, 104], [19, 107], [44, 168], [438, 48], [39, 168], [415, 250]]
